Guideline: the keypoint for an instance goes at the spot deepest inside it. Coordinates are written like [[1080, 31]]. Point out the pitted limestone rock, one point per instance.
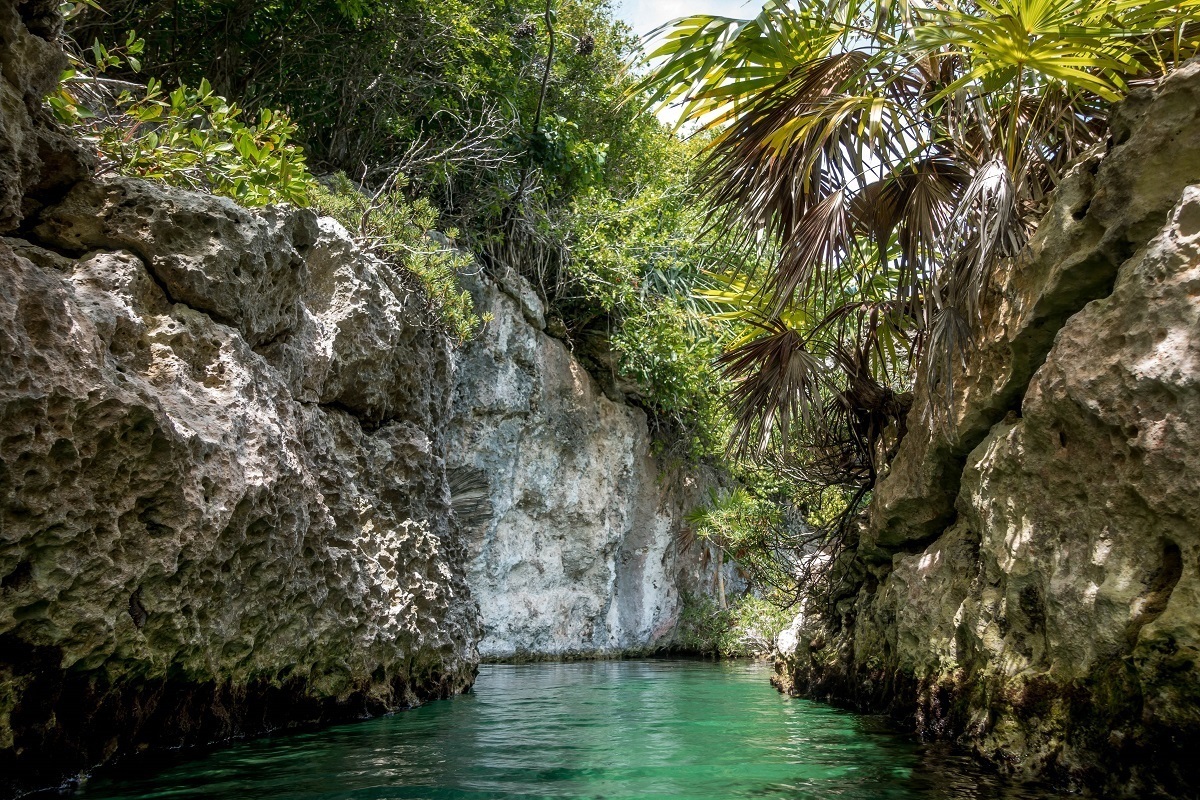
[[583, 553], [1047, 612], [188, 548]]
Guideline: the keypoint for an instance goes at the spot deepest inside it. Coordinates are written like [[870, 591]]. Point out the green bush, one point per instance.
[[399, 232], [747, 527], [368, 81], [190, 137], [637, 257], [747, 628]]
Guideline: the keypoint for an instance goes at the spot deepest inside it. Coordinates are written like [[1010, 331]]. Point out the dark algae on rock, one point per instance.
[[1027, 582], [230, 443], [223, 498]]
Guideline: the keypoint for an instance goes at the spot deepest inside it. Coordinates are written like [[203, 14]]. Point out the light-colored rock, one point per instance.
[[189, 550], [584, 553], [359, 344], [516, 287], [1050, 617], [243, 269], [1104, 211]]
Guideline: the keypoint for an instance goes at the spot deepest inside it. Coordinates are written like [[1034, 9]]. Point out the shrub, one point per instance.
[[189, 137], [400, 233], [747, 628]]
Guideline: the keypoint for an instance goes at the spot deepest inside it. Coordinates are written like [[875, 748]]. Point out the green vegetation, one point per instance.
[[768, 289], [747, 628], [889, 159], [636, 259], [896, 156]]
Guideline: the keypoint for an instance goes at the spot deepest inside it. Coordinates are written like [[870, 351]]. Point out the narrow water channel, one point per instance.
[[626, 729]]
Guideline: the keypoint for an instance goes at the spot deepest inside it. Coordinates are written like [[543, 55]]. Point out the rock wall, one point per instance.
[[228, 442], [584, 552], [223, 500], [38, 162], [1029, 580]]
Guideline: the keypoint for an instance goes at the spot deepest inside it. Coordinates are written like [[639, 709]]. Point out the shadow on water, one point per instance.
[[615, 729]]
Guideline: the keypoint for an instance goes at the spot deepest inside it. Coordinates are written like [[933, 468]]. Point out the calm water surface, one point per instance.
[[685, 730]]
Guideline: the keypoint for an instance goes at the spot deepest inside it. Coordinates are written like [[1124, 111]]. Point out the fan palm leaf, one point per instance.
[[894, 155]]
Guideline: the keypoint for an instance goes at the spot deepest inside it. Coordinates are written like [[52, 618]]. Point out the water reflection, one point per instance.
[[648, 729]]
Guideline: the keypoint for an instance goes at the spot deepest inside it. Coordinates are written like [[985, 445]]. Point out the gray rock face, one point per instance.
[[37, 161], [203, 532], [224, 503], [583, 554], [1030, 584]]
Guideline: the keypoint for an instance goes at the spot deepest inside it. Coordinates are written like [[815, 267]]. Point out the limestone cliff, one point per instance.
[[1029, 580], [582, 553], [223, 502], [228, 447]]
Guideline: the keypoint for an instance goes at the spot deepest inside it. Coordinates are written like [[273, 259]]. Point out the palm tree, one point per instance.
[[890, 156]]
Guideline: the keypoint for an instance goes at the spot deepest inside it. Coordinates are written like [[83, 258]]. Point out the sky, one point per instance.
[[646, 15]]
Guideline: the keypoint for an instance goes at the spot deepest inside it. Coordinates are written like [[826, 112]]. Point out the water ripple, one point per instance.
[[677, 730]]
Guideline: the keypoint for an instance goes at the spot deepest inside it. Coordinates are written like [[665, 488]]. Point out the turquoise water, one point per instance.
[[626, 729]]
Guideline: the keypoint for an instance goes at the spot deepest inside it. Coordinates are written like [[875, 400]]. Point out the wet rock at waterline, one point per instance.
[[200, 539], [1028, 582]]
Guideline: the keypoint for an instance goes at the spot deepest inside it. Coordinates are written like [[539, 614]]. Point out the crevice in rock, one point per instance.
[[369, 424], [1153, 602], [29, 236], [279, 338]]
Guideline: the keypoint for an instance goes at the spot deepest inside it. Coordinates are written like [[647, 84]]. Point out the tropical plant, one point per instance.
[[892, 156], [401, 234], [748, 627], [444, 91], [188, 137]]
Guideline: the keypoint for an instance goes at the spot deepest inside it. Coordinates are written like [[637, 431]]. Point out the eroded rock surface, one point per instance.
[[37, 161], [1029, 584], [223, 497], [585, 551]]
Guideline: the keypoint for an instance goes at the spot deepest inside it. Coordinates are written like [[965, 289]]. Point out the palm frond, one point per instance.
[[895, 156], [778, 383]]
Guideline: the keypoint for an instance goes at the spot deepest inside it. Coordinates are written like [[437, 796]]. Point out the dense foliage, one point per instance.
[[189, 137], [748, 627], [445, 92], [889, 159]]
